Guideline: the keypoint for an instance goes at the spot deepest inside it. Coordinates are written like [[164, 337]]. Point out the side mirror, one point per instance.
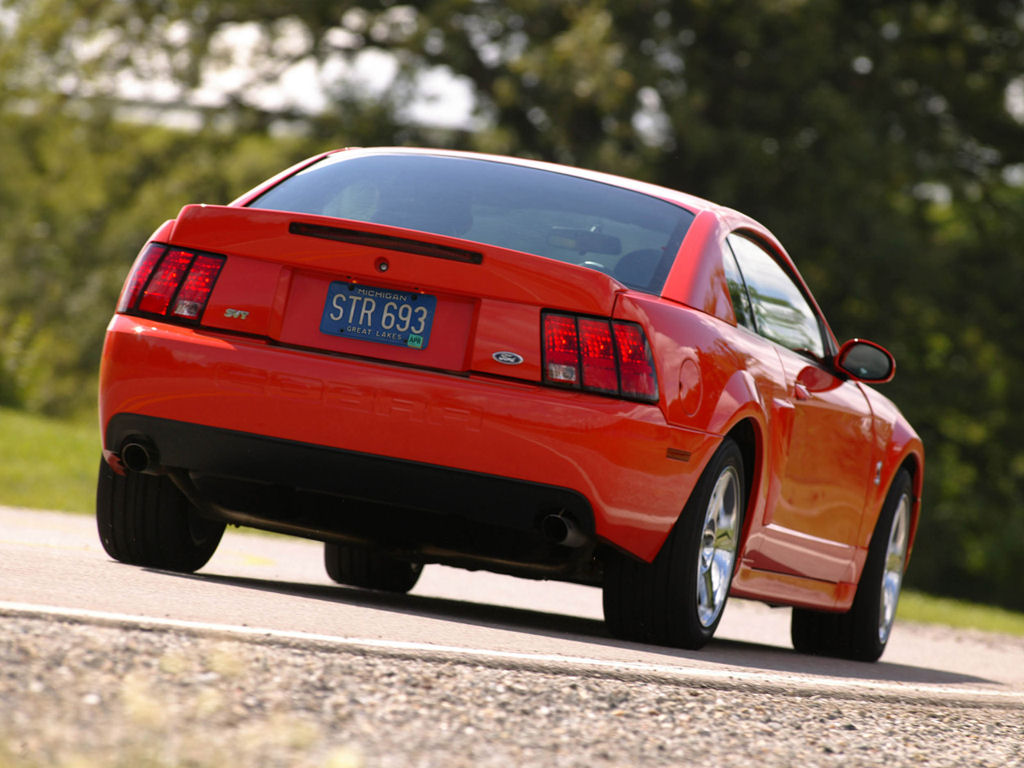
[[866, 361]]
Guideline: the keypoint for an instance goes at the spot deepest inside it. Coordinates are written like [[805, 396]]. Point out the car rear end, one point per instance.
[[430, 355]]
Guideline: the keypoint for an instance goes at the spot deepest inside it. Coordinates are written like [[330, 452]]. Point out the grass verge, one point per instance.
[[48, 463], [916, 606]]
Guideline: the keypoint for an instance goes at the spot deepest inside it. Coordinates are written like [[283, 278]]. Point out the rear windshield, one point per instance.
[[629, 235]]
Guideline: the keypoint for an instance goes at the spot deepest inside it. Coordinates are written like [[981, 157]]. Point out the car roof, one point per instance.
[[691, 202]]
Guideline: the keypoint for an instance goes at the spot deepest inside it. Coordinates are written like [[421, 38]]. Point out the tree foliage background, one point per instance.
[[883, 142]]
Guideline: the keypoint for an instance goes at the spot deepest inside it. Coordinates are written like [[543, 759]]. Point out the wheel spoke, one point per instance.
[[895, 562], [706, 590], [718, 547]]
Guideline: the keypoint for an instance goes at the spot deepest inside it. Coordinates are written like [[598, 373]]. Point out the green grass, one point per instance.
[[51, 464], [48, 463], [915, 606]]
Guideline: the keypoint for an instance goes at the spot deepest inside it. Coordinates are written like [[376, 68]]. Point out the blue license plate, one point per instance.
[[378, 314]]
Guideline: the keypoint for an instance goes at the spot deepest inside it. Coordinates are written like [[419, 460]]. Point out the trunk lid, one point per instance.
[[350, 287]]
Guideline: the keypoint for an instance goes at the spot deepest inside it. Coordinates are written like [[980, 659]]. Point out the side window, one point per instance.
[[779, 309], [737, 291]]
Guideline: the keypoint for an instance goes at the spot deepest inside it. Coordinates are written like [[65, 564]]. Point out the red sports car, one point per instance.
[[438, 357]]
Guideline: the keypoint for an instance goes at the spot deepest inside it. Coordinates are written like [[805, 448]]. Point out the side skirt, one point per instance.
[[786, 589]]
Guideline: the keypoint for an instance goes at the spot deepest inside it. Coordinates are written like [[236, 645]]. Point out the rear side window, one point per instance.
[[779, 308], [632, 236], [737, 291]]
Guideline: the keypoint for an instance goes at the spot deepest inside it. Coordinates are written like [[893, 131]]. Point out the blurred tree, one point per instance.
[[881, 141], [106, 134]]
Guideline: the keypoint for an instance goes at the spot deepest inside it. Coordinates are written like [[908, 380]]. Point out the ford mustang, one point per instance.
[[423, 356]]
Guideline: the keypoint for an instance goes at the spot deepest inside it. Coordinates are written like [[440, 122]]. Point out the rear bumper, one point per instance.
[[385, 436], [422, 511]]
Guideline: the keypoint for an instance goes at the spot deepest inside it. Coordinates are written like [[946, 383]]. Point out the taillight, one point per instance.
[[597, 356], [593, 354], [164, 282], [561, 350], [636, 367], [139, 276], [195, 291], [171, 282]]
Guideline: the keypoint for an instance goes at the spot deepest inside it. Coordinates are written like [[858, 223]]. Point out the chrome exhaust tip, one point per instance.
[[559, 529], [138, 455]]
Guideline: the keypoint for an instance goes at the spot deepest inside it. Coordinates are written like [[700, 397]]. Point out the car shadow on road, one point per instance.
[[730, 653]]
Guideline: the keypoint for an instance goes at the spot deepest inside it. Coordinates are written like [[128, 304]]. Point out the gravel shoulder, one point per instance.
[[75, 694]]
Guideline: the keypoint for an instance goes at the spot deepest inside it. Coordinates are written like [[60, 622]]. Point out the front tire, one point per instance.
[[678, 599], [862, 633], [145, 520], [357, 567]]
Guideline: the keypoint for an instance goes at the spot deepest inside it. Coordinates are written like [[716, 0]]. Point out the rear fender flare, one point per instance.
[[740, 399], [745, 418], [740, 413]]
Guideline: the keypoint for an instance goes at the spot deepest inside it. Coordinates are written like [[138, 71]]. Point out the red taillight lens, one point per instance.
[[172, 282], [191, 299], [598, 355], [561, 351], [139, 275], [164, 283], [636, 365]]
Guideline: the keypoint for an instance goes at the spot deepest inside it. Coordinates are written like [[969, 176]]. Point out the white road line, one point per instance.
[[726, 678]]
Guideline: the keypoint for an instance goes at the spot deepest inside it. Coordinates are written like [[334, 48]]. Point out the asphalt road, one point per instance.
[[53, 564]]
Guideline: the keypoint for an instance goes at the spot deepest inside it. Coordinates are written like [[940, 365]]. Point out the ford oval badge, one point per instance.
[[508, 358]]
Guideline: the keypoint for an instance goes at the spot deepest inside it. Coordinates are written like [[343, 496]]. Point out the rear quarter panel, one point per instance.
[[712, 377]]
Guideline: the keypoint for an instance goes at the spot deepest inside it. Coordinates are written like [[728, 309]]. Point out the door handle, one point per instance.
[[801, 392]]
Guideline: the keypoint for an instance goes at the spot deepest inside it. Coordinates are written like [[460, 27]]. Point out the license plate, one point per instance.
[[378, 314]]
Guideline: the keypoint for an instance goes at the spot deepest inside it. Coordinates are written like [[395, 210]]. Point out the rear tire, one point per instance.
[[145, 520], [678, 599], [862, 633], [357, 567]]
